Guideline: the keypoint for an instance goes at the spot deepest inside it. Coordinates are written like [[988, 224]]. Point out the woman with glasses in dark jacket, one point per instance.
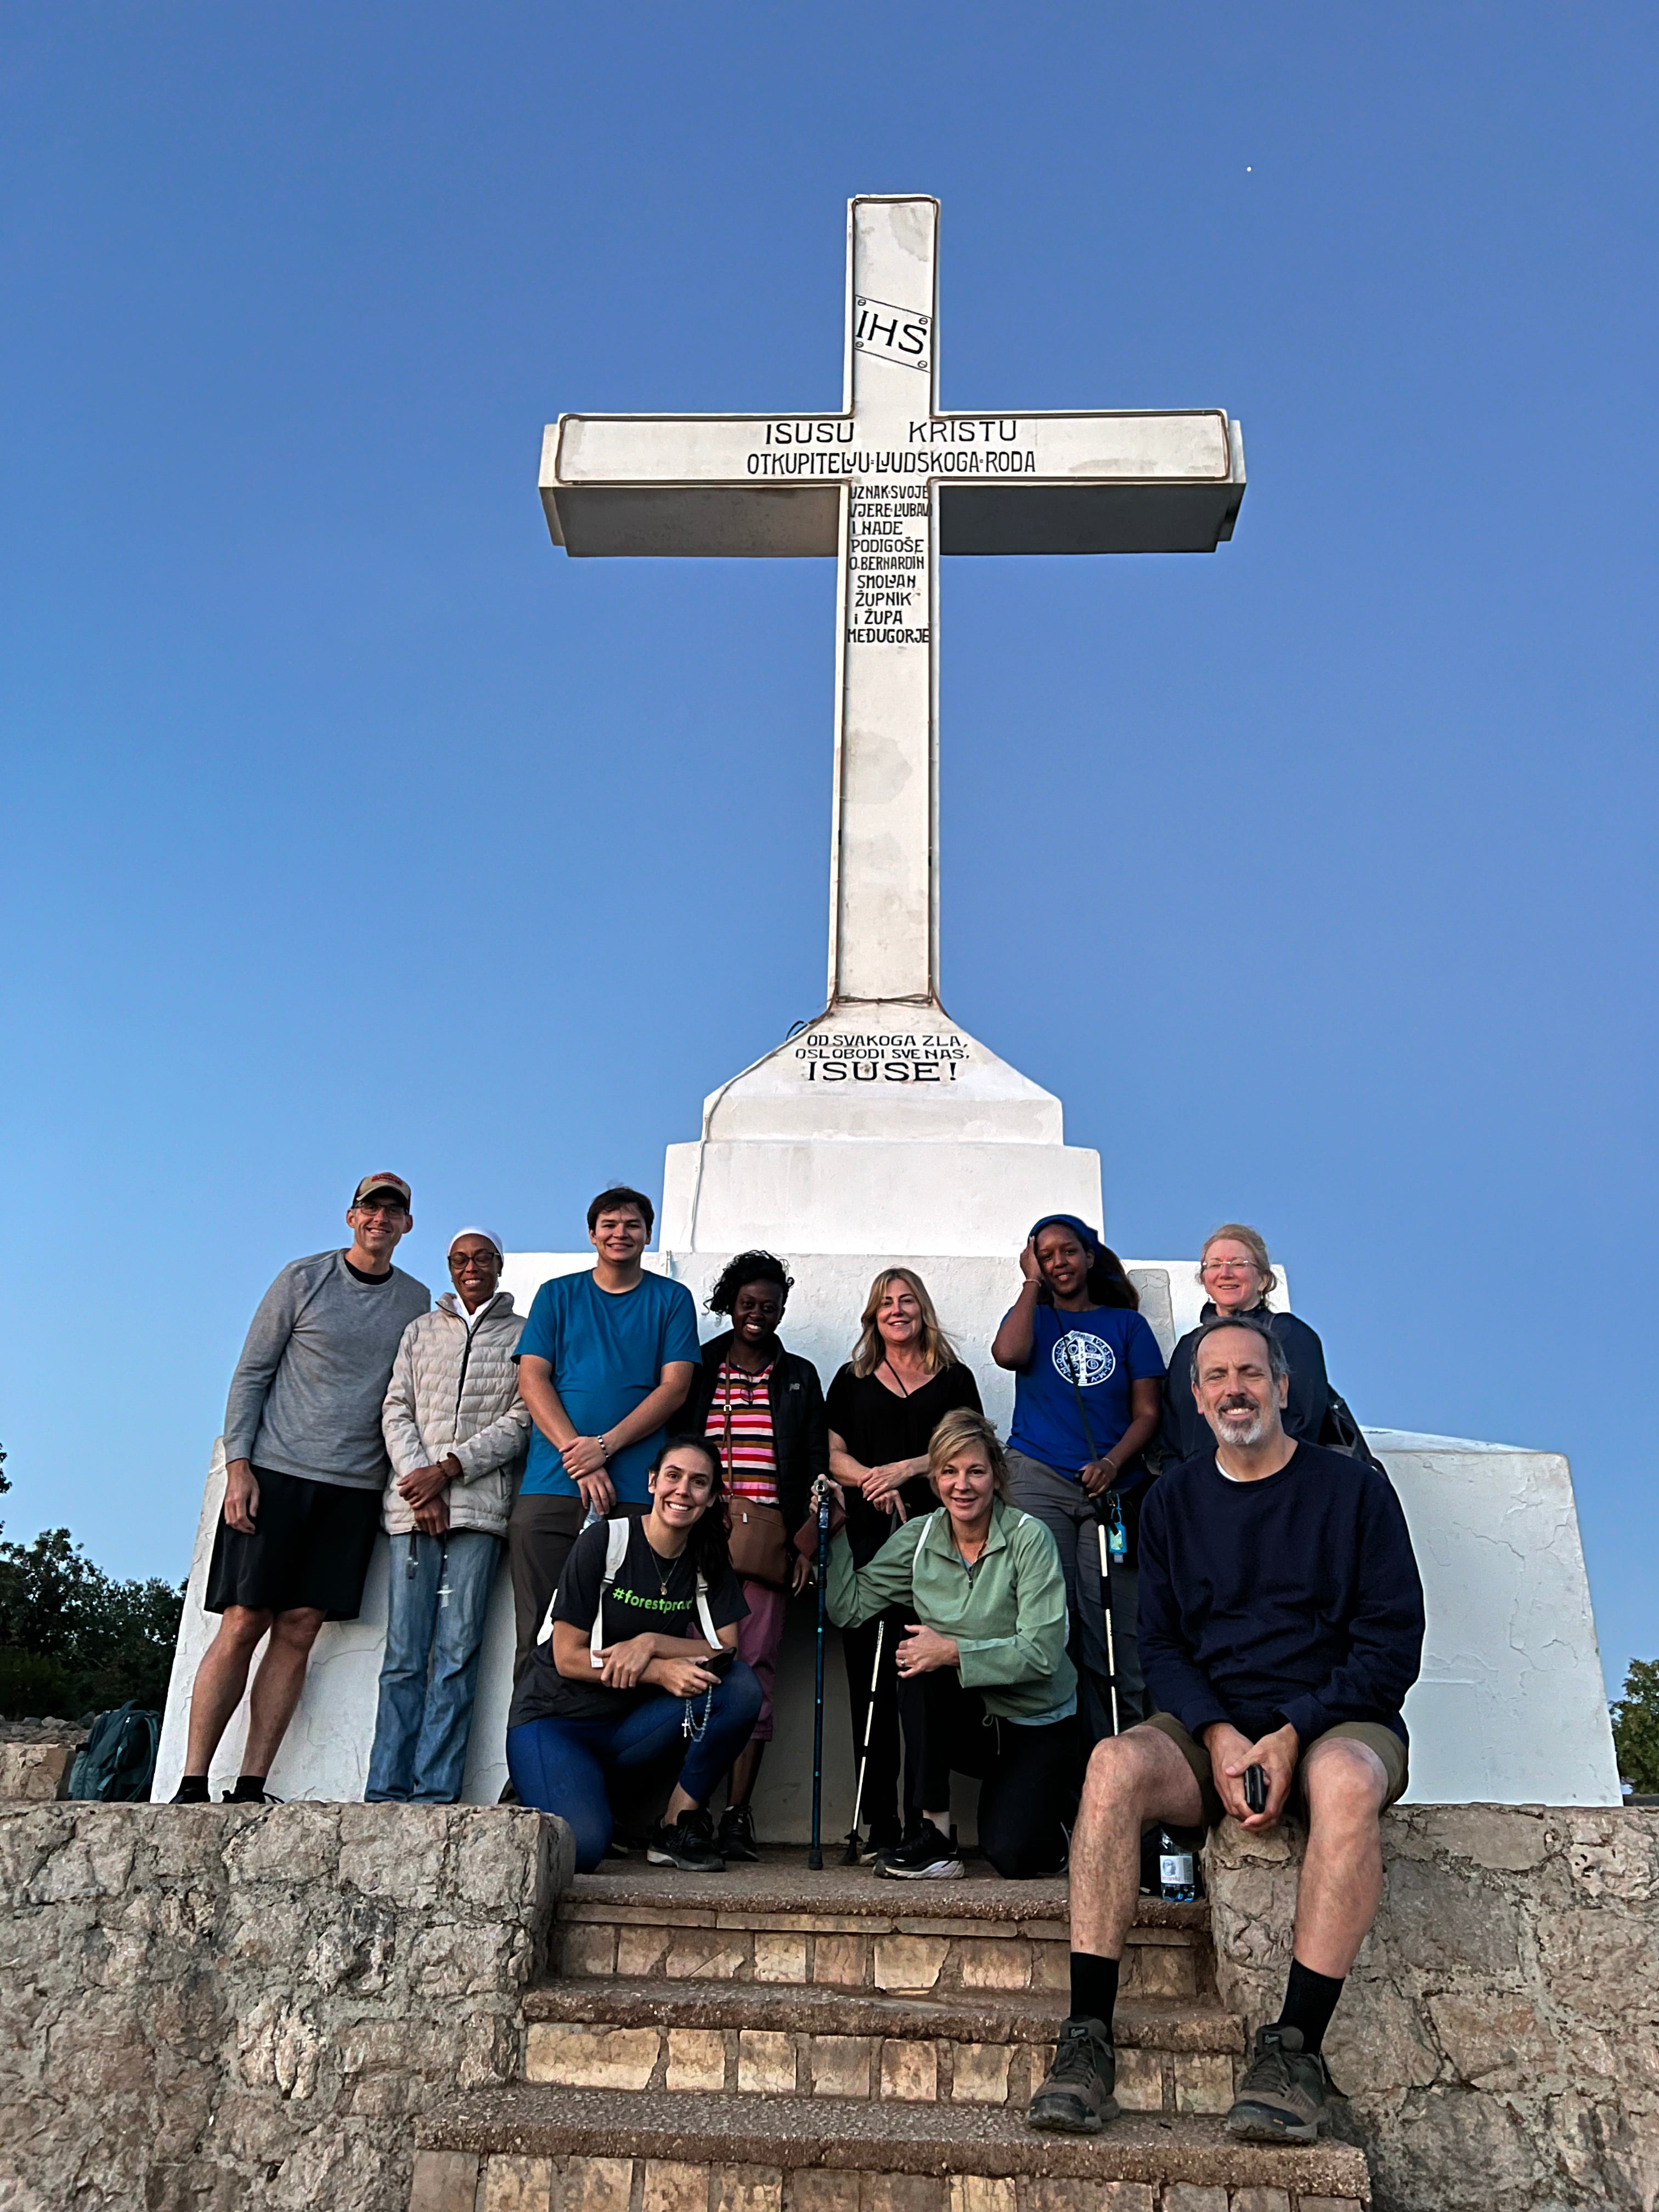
[[1238, 1278]]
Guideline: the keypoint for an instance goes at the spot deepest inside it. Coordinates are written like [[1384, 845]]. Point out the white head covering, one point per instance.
[[488, 1236]]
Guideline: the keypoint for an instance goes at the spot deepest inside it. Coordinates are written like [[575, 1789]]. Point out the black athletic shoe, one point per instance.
[[1282, 2096], [689, 1845], [1076, 2096], [736, 1838], [928, 1856], [885, 1836]]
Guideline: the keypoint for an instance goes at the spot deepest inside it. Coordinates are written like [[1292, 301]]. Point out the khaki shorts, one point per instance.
[[1372, 1734]]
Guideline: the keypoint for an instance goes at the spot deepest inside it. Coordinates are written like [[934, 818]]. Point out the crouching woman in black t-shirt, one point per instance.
[[641, 1658]]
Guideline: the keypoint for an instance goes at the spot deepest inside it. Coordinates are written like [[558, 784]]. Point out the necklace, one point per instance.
[[887, 1363], [731, 1375], [663, 1580], [971, 1567]]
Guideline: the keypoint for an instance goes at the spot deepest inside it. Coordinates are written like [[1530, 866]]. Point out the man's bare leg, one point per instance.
[[1282, 2096], [1342, 1868], [220, 1681], [277, 1685], [1131, 1779]]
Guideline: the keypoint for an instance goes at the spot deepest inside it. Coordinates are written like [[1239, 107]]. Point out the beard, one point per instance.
[[1243, 1425]]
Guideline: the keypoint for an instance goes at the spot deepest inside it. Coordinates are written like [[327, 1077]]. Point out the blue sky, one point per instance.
[[347, 823]]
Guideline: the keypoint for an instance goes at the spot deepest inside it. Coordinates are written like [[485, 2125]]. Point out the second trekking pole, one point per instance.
[[814, 1856]]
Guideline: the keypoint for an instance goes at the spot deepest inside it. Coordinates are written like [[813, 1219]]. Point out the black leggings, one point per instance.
[[1027, 1772]]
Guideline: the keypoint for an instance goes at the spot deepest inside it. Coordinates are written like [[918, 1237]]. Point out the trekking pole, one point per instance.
[[1100, 1531], [852, 1856], [815, 1855], [1106, 1608]]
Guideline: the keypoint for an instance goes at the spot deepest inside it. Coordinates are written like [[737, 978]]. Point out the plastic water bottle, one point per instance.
[[1177, 1871]]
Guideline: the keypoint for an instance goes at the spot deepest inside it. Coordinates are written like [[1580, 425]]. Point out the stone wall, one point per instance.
[[211, 2006], [1499, 2036], [36, 1757]]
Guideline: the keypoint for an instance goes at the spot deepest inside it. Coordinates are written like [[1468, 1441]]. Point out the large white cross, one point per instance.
[[886, 486]]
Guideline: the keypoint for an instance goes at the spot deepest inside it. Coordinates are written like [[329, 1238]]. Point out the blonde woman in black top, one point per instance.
[[883, 1408]]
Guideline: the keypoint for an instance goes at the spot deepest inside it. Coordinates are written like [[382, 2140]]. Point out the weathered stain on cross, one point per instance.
[[886, 486]]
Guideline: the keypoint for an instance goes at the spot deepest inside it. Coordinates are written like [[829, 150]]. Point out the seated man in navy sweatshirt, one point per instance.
[[1281, 1625]]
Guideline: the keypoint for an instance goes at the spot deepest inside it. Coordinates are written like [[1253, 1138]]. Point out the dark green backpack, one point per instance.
[[117, 1763]]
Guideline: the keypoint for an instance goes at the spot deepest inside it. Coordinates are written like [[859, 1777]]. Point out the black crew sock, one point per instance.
[[1309, 2000], [250, 1790], [192, 1790], [1094, 1988]]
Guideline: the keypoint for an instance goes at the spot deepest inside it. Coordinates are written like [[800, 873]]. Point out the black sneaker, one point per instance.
[[1076, 2095], [928, 1856], [885, 1836], [687, 1844], [737, 1834], [1282, 2096]]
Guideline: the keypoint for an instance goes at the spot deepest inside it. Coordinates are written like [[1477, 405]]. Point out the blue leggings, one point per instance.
[[558, 1765]]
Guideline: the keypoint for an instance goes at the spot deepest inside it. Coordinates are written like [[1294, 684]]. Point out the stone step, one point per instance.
[[783, 1882], [989, 2048], [777, 1922], [534, 2148]]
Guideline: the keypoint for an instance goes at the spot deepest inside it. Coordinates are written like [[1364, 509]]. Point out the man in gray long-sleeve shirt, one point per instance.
[[305, 1467]]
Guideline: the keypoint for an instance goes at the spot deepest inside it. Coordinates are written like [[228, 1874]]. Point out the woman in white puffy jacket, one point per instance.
[[455, 1430]]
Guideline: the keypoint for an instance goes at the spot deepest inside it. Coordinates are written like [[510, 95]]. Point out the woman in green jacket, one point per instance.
[[985, 1686]]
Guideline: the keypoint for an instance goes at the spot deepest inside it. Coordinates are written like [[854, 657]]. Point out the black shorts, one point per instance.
[[310, 1549]]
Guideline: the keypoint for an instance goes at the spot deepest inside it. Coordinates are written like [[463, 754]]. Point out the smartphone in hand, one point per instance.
[[1256, 1789]]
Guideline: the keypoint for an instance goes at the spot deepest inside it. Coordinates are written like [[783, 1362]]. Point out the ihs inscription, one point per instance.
[[899, 334]]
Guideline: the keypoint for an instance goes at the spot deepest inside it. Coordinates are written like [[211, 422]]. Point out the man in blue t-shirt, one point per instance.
[[606, 1358], [1088, 1382]]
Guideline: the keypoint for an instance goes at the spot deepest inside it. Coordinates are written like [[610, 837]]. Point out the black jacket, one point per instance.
[[1185, 1432], [800, 1434]]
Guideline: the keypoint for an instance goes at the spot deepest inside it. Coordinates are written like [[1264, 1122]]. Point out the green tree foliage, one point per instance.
[[1636, 1726], [72, 1639]]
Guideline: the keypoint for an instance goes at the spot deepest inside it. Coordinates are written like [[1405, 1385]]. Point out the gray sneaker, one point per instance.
[[1282, 2096], [1076, 2096]]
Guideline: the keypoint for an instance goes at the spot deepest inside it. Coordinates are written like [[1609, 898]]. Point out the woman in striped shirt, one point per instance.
[[763, 1408]]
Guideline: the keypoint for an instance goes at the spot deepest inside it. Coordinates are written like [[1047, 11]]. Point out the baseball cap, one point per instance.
[[371, 1184]]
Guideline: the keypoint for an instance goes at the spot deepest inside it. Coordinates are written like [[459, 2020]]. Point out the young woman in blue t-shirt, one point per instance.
[[1088, 1386]]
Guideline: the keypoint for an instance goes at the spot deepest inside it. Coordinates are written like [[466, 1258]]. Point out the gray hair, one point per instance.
[[1278, 1367]]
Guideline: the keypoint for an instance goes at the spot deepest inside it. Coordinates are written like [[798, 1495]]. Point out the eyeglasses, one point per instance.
[[1227, 1267], [379, 1205], [466, 1263]]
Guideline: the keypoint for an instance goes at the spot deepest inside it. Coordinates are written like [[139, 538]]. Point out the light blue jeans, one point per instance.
[[436, 1608]]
